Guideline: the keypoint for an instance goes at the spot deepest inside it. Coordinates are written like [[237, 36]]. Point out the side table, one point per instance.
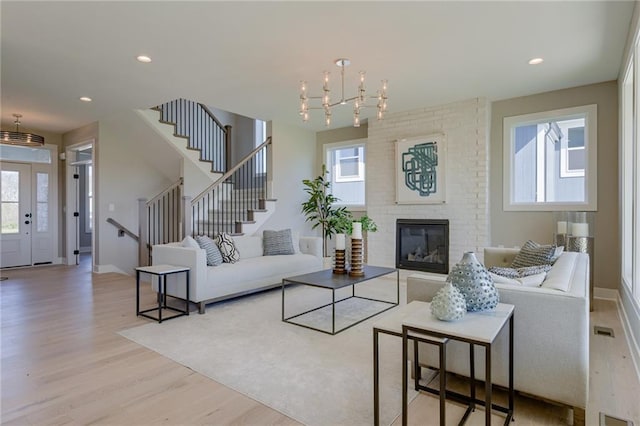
[[162, 271], [476, 328]]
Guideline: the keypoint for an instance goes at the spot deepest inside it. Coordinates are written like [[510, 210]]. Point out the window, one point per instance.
[[42, 202], [10, 201], [550, 160], [88, 179], [346, 165]]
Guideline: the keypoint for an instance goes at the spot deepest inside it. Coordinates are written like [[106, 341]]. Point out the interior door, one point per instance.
[[15, 213]]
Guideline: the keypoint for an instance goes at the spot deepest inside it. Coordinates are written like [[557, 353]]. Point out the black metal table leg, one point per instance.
[[376, 380], [404, 376], [487, 385], [443, 382], [137, 293]]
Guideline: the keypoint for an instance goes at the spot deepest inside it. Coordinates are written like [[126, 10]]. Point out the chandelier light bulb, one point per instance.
[[324, 100]]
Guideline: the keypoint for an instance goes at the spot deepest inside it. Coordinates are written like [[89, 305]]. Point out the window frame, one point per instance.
[[337, 161], [328, 155], [591, 144]]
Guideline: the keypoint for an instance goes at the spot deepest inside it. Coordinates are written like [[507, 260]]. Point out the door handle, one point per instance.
[[26, 222], [27, 215]]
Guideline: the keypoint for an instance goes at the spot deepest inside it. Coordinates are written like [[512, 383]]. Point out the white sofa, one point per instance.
[[253, 272], [551, 328]]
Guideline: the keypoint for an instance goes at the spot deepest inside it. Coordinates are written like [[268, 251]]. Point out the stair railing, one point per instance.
[[231, 200], [160, 220], [203, 131]]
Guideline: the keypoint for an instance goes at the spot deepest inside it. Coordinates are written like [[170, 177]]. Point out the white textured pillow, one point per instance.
[[189, 242], [499, 279]]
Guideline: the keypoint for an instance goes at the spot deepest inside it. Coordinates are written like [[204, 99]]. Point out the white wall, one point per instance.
[[465, 128], [293, 159], [132, 163]]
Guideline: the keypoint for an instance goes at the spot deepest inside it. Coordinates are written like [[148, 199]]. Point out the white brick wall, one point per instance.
[[465, 126]]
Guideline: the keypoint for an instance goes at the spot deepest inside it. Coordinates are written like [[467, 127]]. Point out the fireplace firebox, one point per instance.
[[423, 245]]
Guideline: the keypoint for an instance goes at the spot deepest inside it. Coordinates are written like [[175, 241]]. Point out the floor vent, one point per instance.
[[607, 420], [603, 331]]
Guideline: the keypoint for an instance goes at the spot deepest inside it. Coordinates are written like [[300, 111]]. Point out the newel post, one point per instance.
[[143, 233], [187, 215]]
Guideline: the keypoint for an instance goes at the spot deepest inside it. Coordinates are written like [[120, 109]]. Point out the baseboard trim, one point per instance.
[[606, 293], [634, 347], [105, 269]]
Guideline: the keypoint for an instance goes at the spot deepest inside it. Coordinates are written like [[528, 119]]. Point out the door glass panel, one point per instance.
[[10, 194], [42, 205]]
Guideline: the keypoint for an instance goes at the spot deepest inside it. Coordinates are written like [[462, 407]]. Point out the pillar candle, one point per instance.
[[562, 227], [357, 230], [340, 242], [580, 229]]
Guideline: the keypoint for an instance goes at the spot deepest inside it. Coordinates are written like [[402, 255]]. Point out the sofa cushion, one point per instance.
[[189, 242], [533, 254], [227, 248], [561, 275], [214, 257], [277, 242], [248, 246]]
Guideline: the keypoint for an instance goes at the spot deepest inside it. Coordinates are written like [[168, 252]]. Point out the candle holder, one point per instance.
[[339, 263], [356, 258]]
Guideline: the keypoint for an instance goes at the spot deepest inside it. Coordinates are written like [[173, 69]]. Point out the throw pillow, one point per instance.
[[214, 257], [533, 254], [504, 272], [533, 270], [230, 253], [277, 242], [189, 242], [556, 255]]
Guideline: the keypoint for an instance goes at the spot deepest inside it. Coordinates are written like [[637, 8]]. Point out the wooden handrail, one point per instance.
[[208, 111], [164, 191], [122, 228], [231, 171]]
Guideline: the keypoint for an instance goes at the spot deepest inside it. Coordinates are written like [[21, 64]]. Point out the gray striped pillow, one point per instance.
[[277, 242], [214, 257], [533, 254]]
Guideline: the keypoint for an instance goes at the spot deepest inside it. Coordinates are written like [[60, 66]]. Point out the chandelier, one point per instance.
[[359, 100], [20, 138]]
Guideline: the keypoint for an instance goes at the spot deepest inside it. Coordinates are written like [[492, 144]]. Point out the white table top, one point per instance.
[[478, 326], [162, 269]]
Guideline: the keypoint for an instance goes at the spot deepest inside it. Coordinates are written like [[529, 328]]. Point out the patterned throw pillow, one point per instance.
[[230, 253], [533, 254], [533, 270], [504, 272], [277, 242], [214, 257]]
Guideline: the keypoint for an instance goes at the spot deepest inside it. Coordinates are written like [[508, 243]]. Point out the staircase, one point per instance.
[[236, 202]]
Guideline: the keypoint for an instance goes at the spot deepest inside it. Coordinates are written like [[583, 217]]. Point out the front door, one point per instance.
[[25, 212], [16, 214]]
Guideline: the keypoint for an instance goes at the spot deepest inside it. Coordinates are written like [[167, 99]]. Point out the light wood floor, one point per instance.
[[64, 363]]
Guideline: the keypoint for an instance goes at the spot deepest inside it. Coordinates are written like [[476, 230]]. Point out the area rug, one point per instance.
[[314, 378]]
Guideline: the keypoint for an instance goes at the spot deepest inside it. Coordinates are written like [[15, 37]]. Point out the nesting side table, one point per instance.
[[162, 271]]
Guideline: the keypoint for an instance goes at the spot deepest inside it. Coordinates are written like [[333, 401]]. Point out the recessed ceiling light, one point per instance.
[[143, 58], [85, 99], [536, 61]]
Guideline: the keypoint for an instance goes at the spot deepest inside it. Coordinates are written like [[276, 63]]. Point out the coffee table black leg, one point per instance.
[[188, 297], [333, 311], [511, 392], [282, 300]]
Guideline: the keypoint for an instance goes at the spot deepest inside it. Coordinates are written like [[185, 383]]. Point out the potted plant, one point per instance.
[[319, 208]]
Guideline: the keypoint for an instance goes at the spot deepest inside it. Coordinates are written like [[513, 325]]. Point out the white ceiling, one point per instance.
[[248, 57]]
